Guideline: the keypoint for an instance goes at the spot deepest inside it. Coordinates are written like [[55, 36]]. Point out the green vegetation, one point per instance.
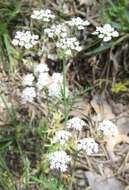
[[78, 61]]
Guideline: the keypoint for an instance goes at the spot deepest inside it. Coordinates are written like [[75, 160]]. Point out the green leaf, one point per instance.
[[4, 145], [119, 87], [126, 14], [100, 49], [3, 28]]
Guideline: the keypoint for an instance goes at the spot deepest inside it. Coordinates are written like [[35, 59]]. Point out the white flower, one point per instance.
[[107, 38], [108, 28], [108, 128], [43, 80], [88, 145], [45, 15], [41, 68], [59, 30], [54, 90], [107, 32], [25, 39], [68, 45], [59, 160], [75, 123], [78, 22], [62, 136], [57, 78], [28, 94], [15, 42], [28, 80], [115, 34]]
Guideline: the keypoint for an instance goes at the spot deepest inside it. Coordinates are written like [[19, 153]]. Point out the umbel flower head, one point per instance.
[[28, 80], [88, 145], [25, 39], [75, 123], [78, 22], [108, 128], [41, 68], [28, 94], [69, 45], [59, 30], [43, 80], [56, 86], [59, 160], [62, 136], [107, 32], [45, 15]]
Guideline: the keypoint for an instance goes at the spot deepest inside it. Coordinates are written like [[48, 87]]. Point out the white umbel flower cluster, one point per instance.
[[68, 45], [75, 123], [56, 86], [45, 15], [53, 83], [43, 80], [54, 90], [25, 39], [88, 145], [28, 80], [107, 32], [78, 22], [59, 160], [62, 136], [108, 128], [28, 94], [41, 68], [59, 30], [57, 77]]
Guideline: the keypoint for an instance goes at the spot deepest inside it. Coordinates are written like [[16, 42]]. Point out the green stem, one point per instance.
[[9, 52]]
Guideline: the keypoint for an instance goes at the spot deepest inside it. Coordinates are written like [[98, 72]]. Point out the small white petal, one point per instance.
[[107, 38], [115, 34]]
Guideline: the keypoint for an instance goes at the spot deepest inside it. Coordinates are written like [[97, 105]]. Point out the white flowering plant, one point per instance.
[[107, 32], [25, 39], [78, 22], [88, 145], [41, 79], [44, 15], [108, 128], [52, 134]]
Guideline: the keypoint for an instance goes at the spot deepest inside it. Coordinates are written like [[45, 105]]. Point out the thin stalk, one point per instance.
[[26, 166], [102, 10], [72, 173], [64, 92], [9, 53]]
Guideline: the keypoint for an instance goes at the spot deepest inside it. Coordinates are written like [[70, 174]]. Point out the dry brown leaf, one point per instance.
[[122, 122], [81, 107], [104, 111], [102, 108], [112, 141]]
